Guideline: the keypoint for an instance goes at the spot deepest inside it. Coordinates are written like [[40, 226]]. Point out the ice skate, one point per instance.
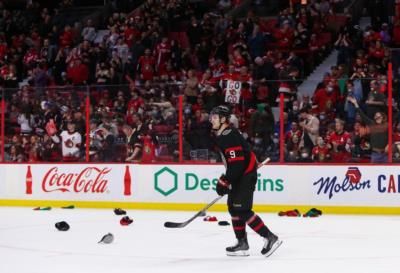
[[271, 243], [240, 249]]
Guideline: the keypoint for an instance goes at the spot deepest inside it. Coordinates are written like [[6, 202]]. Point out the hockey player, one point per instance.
[[239, 183]]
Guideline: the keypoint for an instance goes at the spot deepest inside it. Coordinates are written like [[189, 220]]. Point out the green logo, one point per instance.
[[166, 181]]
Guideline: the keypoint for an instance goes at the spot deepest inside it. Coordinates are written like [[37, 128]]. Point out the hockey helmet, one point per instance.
[[222, 111]]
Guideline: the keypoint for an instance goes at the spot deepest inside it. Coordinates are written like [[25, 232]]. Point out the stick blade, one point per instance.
[[174, 225]]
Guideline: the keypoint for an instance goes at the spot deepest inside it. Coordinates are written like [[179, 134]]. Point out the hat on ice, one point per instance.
[[107, 239], [62, 226], [126, 221], [119, 211]]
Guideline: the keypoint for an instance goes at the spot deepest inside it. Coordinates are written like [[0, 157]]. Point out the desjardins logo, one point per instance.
[[166, 182]]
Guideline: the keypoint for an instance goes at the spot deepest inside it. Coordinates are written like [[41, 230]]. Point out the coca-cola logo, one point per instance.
[[89, 180]]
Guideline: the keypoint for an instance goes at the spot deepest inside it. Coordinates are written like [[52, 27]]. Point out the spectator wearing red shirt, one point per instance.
[[78, 72], [376, 52], [320, 153], [149, 148], [238, 60], [326, 98], [135, 103], [18, 41], [131, 33], [284, 35], [163, 54], [244, 75], [382, 82], [169, 74], [262, 93], [246, 96], [66, 37], [146, 65], [294, 130], [4, 70], [340, 143], [198, 105], [371, 36], [31, 57], [231, 74]]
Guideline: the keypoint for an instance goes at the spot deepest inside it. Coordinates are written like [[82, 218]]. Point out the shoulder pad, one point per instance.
[[226, 132]]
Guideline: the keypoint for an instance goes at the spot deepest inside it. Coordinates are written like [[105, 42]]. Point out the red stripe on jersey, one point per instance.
[[235, 218], [239, 158], [235, 148], [252, 163]]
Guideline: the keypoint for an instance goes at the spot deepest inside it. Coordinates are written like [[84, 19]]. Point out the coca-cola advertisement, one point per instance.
[[99, 182], [88, 180]]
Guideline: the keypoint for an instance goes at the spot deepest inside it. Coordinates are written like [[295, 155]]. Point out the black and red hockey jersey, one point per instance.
[[236, 154]]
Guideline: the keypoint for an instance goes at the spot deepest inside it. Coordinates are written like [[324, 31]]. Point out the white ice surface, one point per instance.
[[29, 243]]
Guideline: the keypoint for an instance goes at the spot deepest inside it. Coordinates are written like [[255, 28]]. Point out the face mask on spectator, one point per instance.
[[304, 155], [295, 108], [329, 89], [322, 116], [292, 156], [275, 140], [257, 140]]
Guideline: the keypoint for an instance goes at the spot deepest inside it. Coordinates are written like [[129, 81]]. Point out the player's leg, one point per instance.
[[241, 248], [242, 203]]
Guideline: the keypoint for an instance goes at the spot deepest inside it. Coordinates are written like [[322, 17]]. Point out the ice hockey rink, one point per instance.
[[29, 243]]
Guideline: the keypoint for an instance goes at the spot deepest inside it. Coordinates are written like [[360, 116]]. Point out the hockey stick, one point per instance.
[[203, 210]]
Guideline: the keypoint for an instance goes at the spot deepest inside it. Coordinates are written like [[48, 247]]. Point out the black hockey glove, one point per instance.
[[223, 186]]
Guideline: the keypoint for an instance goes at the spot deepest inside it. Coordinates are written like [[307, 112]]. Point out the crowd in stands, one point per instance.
[[133, 68]]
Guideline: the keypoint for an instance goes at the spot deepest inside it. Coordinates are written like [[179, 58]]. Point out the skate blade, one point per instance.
[[241, 253], [273, 248]]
